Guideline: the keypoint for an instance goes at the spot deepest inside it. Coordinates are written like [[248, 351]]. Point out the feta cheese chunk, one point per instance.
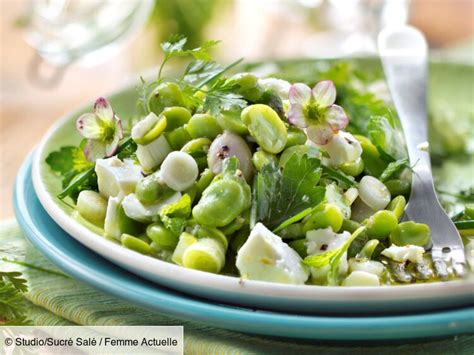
[[412, 253], [115, 177], [265, 257], [320, 241], [342, 148], [361, 278], [140, 212]]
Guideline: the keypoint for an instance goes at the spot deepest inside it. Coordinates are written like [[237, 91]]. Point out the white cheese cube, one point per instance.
[[412, 253], [115, 177], [265, 257]]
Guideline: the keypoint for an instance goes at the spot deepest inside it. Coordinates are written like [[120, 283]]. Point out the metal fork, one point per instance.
[[403, 51]]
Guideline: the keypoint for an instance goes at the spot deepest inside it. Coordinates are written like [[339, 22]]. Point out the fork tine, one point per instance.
[[458, 261], [439, 264]]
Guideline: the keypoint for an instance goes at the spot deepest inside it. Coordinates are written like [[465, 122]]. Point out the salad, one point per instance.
[[253, 176]]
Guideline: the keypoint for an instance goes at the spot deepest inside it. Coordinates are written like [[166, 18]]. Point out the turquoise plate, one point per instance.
[[86, 266]]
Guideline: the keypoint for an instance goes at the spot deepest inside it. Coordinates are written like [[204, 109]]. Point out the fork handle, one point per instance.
[[406, 73]]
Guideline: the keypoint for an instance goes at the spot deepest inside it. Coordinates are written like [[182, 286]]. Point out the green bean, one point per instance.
[[230, 121], [178, 138], [349, 225], [165, 95], [325, 215], [136, 244], [225, 198], [296, 136], [261, 158], [265, 127], [373, 164], [410, 233], [381, 224], [176, 117], [299, 245], [397, 206], [92, 206], [353, 168], [162, 237], [203, 125], [398, 187]]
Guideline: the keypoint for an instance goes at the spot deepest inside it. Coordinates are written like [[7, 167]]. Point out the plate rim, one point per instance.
[[457, 321], [184, 278]]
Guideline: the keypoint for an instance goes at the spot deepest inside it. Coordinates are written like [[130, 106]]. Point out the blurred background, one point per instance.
[[58, 54]]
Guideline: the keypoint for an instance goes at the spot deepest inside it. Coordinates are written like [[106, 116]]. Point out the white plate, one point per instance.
[[226, 289]]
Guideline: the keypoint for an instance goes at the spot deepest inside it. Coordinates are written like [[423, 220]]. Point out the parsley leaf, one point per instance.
[[175, 214], [394, 168], [339, 176], [282, 194], [332, 258], [12, 303]]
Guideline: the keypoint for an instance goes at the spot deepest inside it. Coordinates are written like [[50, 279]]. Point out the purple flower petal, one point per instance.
[[299, 94], [336, 118], [94, 149], [296, 116], [103, 110], [320, 134], [89, 126], [324, 93]]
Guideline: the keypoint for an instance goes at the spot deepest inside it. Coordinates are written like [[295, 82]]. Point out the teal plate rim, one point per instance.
[[88, 267]]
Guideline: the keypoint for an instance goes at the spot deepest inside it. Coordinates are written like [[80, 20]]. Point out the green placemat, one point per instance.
[[57, 299]]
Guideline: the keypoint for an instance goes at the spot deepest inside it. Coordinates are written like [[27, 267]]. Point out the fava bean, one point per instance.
[[92, 206], [293, 231], [176, 116], [244, 80], [197, 148], [261, 158], [368, 249], [265, 127], [152, 188], [136, 244], [398, 187], [230, 121], [296, 136], [230, 145], [354, 168], [325, 215], [165, 95], [410, 233], [203, 125], [225, 198], [299, 246], [204, 180], [161, 236], [178, 138], [381, 224], [397, 205]]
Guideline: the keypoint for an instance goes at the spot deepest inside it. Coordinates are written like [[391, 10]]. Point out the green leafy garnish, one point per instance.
[[282, 194], [332, 258], [386, 138], [12, 302], [175, 215], [394, 168], [339, 176]]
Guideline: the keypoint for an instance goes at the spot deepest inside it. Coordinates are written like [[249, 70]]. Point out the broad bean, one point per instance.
[[151, 188], [325, 215], [162, 237], [397, 205], [373, 164], [230, 121], [261, 158], [178, 138], [411, 233], [398, 187], [266, 127], [198, 148], [176, 116], [92, 206], [230, 145], [296, 136], [165, 95], [225, 198], [203, 125], [136, 244], [354, 168], [381, 224]]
